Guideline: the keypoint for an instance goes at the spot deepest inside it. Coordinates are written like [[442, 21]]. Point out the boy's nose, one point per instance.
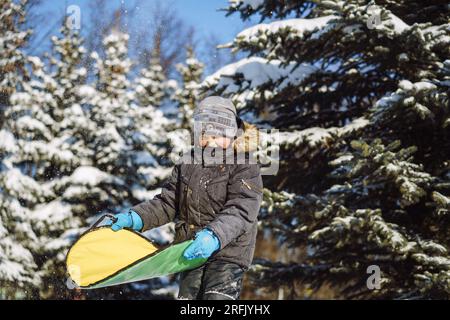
[[212, 143]]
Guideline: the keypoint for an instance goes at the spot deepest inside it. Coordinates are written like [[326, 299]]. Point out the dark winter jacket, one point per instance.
[[223, 197]]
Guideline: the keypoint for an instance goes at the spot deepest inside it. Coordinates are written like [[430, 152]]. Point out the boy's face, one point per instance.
[[214, 141]]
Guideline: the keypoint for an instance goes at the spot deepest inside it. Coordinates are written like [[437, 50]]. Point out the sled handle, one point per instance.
[[108, 215]]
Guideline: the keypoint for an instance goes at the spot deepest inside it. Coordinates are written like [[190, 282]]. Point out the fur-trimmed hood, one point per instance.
[[248, 137]]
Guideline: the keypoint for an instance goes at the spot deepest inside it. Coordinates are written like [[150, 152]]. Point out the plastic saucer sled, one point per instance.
[[102, 257]]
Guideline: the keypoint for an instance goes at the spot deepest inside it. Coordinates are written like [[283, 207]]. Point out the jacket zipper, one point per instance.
[[249, 186]]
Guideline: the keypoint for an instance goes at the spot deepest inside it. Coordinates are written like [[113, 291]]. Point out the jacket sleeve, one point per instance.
[[163, 207], [242, 206]]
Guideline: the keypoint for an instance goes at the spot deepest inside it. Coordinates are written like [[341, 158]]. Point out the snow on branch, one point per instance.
[[252, 73], [297, 28], [316, 136], [91, 176], [254, 4]]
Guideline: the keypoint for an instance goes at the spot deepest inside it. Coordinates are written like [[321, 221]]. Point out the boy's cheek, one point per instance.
[[219, 142], [225, 143]]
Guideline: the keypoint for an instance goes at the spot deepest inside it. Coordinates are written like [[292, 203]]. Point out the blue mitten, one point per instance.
[[204, 245], [128, 220]]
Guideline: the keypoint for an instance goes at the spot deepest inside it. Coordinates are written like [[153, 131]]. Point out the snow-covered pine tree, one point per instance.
[[128, 143], [360, 92], [71, 121], [151, 139], [108, 103], [17, 266], [187, 95], [44, 120], [151, 87], [12, 57], [151, 93], [30, 123]]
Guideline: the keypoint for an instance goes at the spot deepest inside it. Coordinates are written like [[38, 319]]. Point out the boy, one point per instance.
[[217, 201]]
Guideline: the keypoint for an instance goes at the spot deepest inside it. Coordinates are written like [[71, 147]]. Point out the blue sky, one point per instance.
[[203, 14]]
